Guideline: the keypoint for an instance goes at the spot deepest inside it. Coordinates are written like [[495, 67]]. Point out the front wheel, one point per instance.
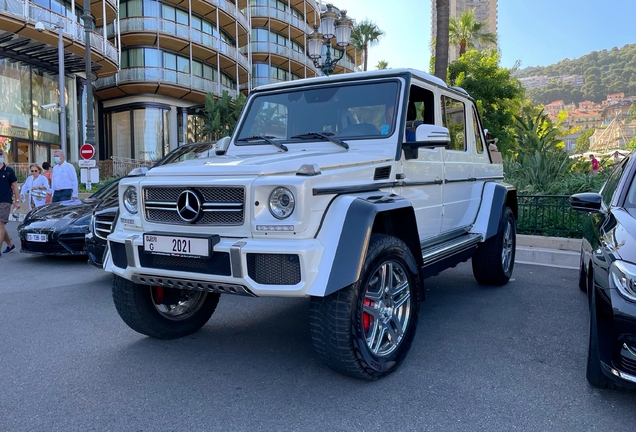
[[366, 329], [594, 371], [494, 259], [162, 313]]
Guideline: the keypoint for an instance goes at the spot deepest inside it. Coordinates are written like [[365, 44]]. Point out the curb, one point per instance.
[[548, 251]]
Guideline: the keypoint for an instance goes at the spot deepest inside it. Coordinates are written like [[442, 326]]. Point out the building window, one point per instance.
[[139, 133]]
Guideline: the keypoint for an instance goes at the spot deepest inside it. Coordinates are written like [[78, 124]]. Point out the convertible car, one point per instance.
[[61, 228]]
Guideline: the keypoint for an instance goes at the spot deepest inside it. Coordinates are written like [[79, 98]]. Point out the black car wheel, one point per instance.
[[494, 259], [594, 372], [366, 329], [582, 274], [162, 313]]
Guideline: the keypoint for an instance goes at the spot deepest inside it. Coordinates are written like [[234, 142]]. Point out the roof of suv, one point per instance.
[[355, 75]]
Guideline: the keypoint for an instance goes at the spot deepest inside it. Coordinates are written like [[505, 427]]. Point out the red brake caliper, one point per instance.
[[367, 319], [158, 294]]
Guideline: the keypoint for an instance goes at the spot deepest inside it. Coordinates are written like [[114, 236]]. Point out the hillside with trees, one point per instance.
[[604, 72]]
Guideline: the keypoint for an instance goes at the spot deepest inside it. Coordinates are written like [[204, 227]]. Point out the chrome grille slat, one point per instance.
[[103, 225], [222, 205]]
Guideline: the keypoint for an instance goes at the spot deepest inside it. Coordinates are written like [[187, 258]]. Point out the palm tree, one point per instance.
[[466, 30], [441, 38], [365, 35], [382, 64]]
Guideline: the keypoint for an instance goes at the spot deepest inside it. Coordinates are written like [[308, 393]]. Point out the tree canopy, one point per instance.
[[604, 72], [365, 35], [220, 116], [465, 32], [498, 95]]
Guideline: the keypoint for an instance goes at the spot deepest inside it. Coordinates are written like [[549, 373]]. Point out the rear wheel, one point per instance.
[[366, 329], [163, 313], [494, 259]]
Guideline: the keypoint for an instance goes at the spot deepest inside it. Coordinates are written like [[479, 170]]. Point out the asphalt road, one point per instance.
[[484, 359]]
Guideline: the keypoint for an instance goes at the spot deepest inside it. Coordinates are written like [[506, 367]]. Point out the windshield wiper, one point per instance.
[[267, 138], [324, 135]]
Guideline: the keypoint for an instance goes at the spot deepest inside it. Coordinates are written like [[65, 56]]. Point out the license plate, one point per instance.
[[40, 238], [176, 245]]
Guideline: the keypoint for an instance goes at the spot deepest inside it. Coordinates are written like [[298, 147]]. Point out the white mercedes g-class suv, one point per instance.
[[349, 190]]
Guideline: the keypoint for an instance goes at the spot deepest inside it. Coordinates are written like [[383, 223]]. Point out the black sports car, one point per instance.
[[103, 217], [59, 228], [608, 275]]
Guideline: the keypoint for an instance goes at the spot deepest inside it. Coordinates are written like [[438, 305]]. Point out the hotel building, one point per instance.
[[154, 60]]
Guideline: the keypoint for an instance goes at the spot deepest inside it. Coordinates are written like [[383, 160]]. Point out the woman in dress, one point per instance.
[[35, 188], [48, 173]]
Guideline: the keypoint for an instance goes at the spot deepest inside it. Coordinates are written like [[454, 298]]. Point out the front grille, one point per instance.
[[220, 205], [102, 224], [44, 248], [118, 253], [217, 264], [274, 269]]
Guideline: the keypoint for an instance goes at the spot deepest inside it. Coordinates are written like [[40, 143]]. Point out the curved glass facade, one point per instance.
[[138, 132]]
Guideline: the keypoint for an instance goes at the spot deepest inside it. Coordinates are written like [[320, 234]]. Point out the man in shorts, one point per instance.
[[8, 190]]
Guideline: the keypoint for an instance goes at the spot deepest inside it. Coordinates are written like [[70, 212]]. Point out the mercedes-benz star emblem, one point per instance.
[[189, 206]]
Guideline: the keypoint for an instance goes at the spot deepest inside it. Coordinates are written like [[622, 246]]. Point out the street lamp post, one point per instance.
[[332, 27], [59, 25], [88, 25]]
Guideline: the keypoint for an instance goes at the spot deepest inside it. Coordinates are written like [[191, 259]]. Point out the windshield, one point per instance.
[[188, 151], [108, 191], [351, 110]]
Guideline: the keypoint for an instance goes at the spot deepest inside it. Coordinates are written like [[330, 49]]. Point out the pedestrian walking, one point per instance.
[[64, 182], [594, 164], [8, 191], [35, 188], [48, 174]]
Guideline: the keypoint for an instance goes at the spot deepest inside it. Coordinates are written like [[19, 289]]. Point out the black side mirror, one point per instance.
[[586, 201]]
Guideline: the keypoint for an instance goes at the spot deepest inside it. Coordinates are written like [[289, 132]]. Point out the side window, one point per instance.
[[419, 110], [608, 189], [477, 130], [454, 118]]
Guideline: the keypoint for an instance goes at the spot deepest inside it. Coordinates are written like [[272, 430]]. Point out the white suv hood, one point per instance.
[[272, 163]]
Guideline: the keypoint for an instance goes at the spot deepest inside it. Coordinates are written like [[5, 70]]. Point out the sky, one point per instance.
[[536, 32]]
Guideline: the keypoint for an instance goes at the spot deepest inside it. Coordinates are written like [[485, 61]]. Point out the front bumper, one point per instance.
[[67, 240], [257, 267], [616, 319]]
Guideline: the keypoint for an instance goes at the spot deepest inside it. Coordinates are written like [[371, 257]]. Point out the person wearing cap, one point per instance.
[[64, 182], [8, 190]]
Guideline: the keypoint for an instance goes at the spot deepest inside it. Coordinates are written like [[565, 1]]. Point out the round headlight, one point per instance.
[[281, 203], [130, 200]]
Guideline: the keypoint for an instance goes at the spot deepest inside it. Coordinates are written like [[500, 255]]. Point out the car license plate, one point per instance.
[[177, 246], [40, 238]]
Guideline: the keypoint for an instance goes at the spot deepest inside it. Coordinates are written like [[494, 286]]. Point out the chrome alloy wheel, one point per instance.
[[190, 303], [507, 247], [386, 308]]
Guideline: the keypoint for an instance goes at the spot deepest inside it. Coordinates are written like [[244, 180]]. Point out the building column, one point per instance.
[[173, 140]]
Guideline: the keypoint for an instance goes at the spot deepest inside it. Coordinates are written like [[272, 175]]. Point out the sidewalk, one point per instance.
[[548, 251]]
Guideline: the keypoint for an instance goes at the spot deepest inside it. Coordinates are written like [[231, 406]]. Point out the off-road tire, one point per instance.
[[336, 321], [494, 259], [136, 307]]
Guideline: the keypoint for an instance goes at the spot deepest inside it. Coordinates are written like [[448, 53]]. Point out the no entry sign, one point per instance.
[[87, 151]]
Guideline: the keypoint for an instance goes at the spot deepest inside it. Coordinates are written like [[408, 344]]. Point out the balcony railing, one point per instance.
[[282, 50], [32, 13], [233, 11], [272, 12], [160, 75], [183, 32]]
